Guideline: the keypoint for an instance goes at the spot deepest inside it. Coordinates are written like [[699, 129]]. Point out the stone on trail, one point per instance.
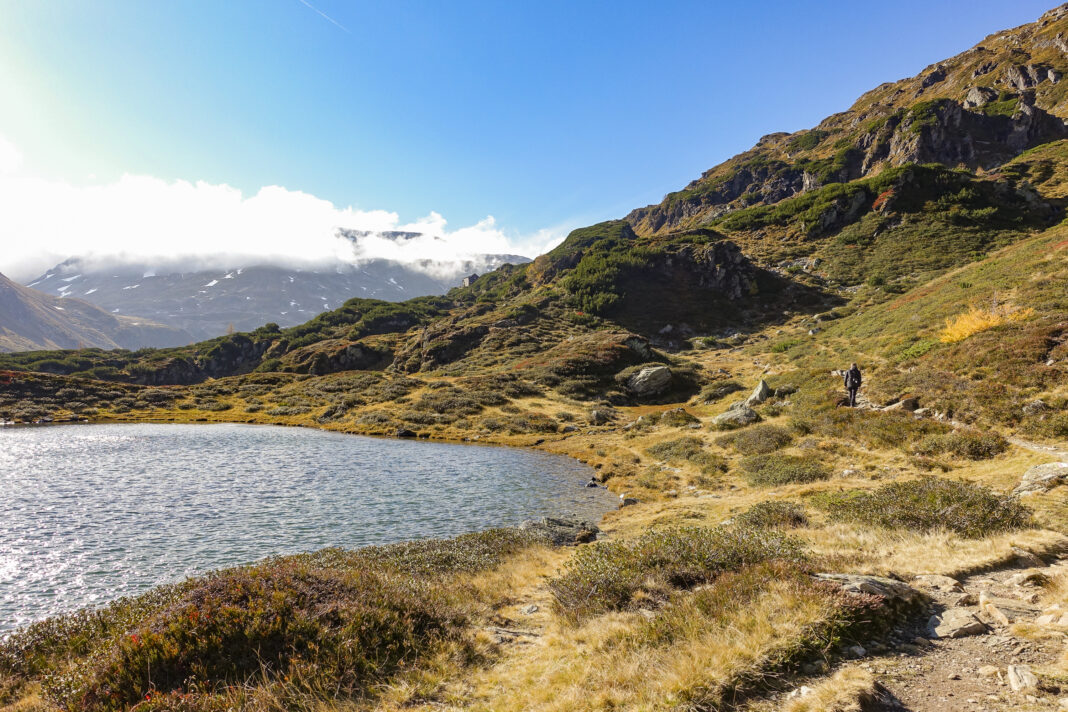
[[937, 582], [1033, 578], [1021, 679], [955, 623], [561, 532], [898, 599], [1042, 478]]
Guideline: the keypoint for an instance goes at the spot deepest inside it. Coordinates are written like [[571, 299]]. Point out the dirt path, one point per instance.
[[971, 673], [1051, 450]]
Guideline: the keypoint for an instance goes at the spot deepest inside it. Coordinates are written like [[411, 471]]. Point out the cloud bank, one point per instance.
[[201, 225]]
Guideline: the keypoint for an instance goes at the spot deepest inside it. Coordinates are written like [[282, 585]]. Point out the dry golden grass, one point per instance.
[[978, 319], [609, 663], [842, 692]]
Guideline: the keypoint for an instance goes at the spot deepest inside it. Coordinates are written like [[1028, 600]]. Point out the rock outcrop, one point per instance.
[[1042, 478], [649, 381], [561, 532]]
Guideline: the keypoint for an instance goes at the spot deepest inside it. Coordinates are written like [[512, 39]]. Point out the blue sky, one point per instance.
[[545, 115]]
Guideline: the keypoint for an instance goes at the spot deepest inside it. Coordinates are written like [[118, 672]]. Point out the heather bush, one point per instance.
[[772, 514], [777, 469], [612, 575], [757, 440], [929, 504]]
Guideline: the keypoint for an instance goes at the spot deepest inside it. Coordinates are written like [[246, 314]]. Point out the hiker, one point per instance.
[[852, 384]]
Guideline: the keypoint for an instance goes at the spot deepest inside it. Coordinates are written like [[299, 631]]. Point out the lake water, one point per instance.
[[89, 513]]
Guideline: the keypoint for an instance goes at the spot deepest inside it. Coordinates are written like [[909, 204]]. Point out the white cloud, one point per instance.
[[145, 219]]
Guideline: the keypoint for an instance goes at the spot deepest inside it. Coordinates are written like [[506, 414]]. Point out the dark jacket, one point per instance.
[[852, 378]]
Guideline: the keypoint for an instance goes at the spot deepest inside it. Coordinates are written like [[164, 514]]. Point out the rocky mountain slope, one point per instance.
[[209, 303], [976, 111], [33, 320]]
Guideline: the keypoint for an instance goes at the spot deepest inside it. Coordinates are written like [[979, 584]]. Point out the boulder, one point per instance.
[[649, 381], [1042, 478], [955, 623], [625, 501], [736, 417], [599, 417], [404, 433], [561, 532], [979, 96], [898, 599], [909, 403], [1033, 577], [760, 394]]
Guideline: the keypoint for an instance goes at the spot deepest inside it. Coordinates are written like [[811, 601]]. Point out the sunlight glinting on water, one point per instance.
[[91, 513]]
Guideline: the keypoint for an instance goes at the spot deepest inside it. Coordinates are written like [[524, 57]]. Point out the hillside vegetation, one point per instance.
[[690, 354]]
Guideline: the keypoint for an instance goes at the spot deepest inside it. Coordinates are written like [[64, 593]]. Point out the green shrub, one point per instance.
[[970, 444], [768, 515], [609, 575], [929, 504], [719, 390], [778, 469], [757, 440]]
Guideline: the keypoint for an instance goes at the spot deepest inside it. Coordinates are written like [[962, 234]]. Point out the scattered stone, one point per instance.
[[816, 667], [650, 381], [1042, 478], [1021, 679], [909, 403], [856, 652], [955, 623], [936, 582], [561, 532], [759, 395], [953, 676], [568, 429], [625, 501], [965, 599], [1027, 560], [404, 433], [528, 610], [599, 417], [989, 671], [799, 692]]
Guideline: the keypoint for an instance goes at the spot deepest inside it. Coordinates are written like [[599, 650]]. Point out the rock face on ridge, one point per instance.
[[978, 109]]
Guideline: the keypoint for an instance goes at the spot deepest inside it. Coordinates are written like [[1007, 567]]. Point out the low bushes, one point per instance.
[[688, 449], [929, 504], [769, 515], [971, 444], [777, 469], [758, 439], [614, 575]]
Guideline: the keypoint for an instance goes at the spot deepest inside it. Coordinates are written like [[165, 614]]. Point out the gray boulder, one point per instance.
[[979, 96], [649, 381], [561, 532], [599, 417], [760, 394], [737, 416], [1042, 478]]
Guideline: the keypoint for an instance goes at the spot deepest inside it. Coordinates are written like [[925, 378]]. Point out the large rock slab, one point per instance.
[[561, 532], [737, 416], [1042, 478], [955, 623], [649, 381]]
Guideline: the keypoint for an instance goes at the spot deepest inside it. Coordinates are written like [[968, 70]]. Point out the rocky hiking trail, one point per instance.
[[985, 647]]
